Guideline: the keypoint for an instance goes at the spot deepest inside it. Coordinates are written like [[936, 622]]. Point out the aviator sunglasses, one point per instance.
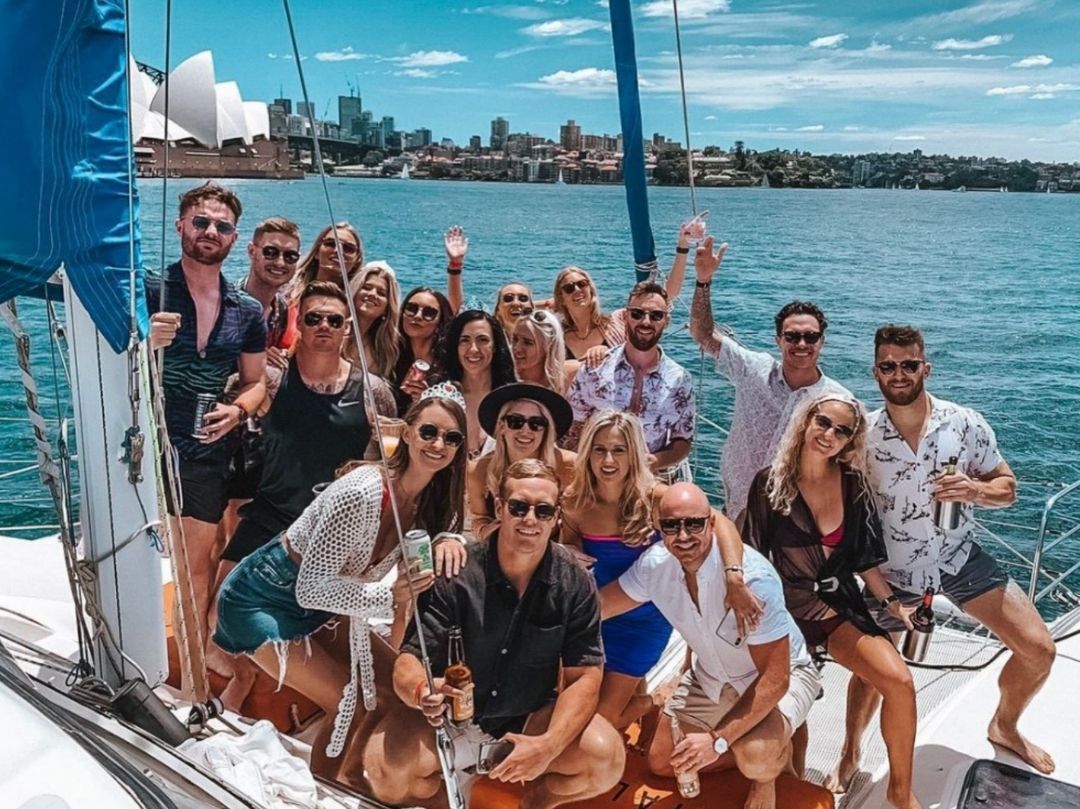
[[808, 337], [655, 315], [348, 248], [510, 297], [888, 367], [520, 509], [220, 225], [452, 438], [515, 421], [826, 424], [271, 253], [670, 526], [334, 321], [413, 309], [568, 288]]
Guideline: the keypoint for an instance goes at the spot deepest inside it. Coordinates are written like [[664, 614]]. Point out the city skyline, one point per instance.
[[982, 77]]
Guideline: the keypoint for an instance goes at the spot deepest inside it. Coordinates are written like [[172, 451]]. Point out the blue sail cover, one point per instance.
[[633, 163], [65, 141]]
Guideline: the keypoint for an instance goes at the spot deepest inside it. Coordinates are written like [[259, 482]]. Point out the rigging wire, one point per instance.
[[685, 112]]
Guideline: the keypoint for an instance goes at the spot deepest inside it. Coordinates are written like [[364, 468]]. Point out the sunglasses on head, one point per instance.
[[888, 367], [333, 320], [515, 421], [671, 526], [808, 337], [426, 312], [271, 253], [569, 287], [826, 424], [655, 315], [348, 248], [520, 509], [510, 297], [223, 227], [452, 438]]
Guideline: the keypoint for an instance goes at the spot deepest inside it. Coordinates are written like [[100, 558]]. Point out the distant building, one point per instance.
[[285, 104], [599, 143], [570, 136], [305, 109], [521, 143], [861, 172], [500, 131], [476, 143], [387, 126], [348, 111]]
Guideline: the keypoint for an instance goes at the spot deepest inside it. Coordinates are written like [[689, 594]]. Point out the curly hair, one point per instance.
[[783, 485], [581, 496], [502, 362], [597, 319], [383, 332], [544, 327]]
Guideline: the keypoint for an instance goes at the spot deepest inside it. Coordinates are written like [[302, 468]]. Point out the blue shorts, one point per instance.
[[257, 603]]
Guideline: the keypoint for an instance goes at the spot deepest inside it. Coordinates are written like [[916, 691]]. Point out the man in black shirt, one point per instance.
[[525, 607]]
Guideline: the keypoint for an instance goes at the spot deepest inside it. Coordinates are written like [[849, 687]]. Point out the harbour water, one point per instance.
[[992, 279]]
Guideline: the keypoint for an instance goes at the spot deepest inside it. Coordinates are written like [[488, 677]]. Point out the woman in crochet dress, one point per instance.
[[332, 561]]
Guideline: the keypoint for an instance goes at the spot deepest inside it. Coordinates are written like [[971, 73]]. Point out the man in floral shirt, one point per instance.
[[909, 444], [637, 377]]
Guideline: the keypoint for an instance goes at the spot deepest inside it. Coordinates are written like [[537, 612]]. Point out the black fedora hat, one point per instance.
[[490, 405]]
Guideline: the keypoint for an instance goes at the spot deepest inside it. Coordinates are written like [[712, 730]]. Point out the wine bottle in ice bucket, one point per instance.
[[917, 639]]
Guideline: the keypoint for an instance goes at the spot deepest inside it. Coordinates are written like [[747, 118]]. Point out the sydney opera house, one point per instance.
[[210, 130]]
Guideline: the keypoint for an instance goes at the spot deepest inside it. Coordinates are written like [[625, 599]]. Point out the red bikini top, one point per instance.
[[834, 537]]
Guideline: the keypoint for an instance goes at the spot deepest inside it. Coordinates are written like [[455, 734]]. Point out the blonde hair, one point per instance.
[[596, 318], [502, 310], [383, 333], [544, 327], [783, 484], [308, 268], [635, 512], [500, 457]]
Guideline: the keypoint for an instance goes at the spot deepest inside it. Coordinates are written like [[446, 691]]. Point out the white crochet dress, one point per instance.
[[335, 537]]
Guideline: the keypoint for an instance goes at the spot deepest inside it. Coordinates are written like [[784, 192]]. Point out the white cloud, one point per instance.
[[1040, 90], [417, 73], [346, 54], [971, 44], [510, 12], [828, 42], [811, 128], [1043, 96], [570, 27], [850, 128], [877, 47], [909, 137], [688, 9], [982, 12], [588, 81], [1041, 60], [710, 117], [431, 58]]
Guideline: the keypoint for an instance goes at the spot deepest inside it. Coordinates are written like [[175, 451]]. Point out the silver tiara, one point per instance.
[[444, 390]]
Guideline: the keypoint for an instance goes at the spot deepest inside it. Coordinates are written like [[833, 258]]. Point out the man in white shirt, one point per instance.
[[767, 391], [744, 697]]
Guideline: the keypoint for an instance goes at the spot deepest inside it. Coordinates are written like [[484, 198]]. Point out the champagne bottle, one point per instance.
[[917, 639], [689, 783], [458, 675]]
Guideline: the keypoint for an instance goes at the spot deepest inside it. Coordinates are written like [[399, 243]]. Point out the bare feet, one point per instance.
[[1014, 741], [839, 779], [762, 795], [901, 801]]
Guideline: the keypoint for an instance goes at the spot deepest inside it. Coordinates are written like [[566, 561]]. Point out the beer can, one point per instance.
[[418, 371], [418, 556], [203, 403]]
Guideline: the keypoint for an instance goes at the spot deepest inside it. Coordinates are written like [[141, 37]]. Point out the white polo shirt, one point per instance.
[[657, 576]]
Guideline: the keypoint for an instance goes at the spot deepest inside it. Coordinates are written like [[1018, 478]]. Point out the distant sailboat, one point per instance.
[[764, 181], [917, 187], [404, 171], [559, 180]]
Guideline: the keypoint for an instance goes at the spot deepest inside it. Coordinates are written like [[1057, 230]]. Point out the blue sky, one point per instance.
[[985, 77]]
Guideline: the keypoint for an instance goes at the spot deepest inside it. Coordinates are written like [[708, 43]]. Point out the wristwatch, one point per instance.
[[719, 744]]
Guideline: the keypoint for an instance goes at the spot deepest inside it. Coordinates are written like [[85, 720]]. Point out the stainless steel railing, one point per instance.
[[1042, 546]]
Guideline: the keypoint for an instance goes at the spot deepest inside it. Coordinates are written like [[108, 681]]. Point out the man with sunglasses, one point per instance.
[[909, 444], [744, 696], [528, 615], [767, 391], [639, 378], [274, 251], [208, 329]]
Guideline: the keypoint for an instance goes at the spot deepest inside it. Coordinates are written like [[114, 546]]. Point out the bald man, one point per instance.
[[744, 697]]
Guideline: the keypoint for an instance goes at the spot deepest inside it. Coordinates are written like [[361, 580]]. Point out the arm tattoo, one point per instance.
[[702, 326]]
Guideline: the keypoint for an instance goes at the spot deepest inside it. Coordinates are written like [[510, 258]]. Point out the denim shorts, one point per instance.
[[257, 603]]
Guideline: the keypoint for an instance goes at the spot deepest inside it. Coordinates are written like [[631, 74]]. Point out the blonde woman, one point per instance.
[[513, 302], [539, 352], [525, 420], [587, 331], [812, 515], [322, 264], [376, 298]]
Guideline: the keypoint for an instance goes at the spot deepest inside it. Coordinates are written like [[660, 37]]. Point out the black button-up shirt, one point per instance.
[[513, 646]]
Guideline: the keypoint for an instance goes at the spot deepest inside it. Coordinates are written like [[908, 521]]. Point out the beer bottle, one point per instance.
[[917, 638], [459, 675]]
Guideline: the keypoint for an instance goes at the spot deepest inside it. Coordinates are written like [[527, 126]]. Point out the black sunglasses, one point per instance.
[[520, 509], [220, 225], [655, 315], [515, 421], [826, 424], [510, 297], [671, 526], [334, 321], [452, 438], [348, 248], [426, 312], [888, 367], [271, 253], [568, 288], [808, 337]]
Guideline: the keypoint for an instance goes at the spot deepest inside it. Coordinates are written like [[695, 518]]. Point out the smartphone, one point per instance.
[[728, 630], [492, 755]]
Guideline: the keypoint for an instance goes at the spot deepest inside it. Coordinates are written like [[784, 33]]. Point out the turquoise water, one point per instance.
[[992, 279]]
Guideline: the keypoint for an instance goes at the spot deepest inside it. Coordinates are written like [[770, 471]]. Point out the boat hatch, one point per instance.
[[993, 785]]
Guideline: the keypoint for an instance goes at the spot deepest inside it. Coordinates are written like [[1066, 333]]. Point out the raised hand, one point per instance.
[[706, 262], [456, 243]]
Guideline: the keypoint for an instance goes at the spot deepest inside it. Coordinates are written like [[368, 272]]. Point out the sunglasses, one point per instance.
[[569, 288], [520, 509], [271, 253], [826, 424], [223, 227], [808, 337], [515, 421], [334, 321], [348, 248], [655, 315], [888, 367], [452, 438], [425, 312], [672, 526], [510, 297]]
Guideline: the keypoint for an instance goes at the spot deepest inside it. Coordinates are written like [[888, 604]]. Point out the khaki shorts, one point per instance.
[[693, 706]]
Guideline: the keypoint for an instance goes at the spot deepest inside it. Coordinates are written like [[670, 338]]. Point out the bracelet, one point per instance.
[[451, 271], [886, 602], [416, 692], [682, 250], [703, 284], [733, 569], [244, 414]]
